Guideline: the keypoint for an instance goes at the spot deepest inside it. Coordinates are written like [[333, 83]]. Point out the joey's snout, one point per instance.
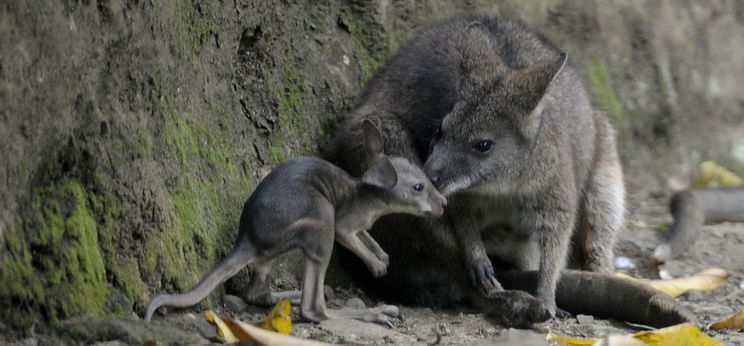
[[437, 203]]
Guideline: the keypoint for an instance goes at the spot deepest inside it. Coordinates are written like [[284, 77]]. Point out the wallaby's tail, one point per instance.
[[694, 207], [607, 296], [238, 258]]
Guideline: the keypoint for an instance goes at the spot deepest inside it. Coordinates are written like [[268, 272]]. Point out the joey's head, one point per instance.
[[400, 184], [489, 134]]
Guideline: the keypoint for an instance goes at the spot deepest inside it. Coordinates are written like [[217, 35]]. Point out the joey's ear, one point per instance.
[[372, 139], [480, 61], [381, 174]]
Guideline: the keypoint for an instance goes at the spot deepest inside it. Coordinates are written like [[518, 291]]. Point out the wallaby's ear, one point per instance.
[[381, 174], [533, 83], [534, 80], [372, 139], [480, 60]]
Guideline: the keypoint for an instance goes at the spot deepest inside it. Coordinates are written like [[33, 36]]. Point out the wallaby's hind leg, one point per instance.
[[603, 211]]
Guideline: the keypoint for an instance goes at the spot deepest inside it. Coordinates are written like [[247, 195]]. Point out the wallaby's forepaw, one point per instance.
[[483, 277], [517, 309], [383, 257]]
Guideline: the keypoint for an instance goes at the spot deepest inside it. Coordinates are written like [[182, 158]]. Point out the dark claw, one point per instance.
[[562, 313]]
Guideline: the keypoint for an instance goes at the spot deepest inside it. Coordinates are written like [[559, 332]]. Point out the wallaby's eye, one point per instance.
[[418, 187], [483, 146]]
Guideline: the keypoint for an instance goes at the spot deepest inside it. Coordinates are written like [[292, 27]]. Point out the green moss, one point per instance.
[[194, 26], [369, 45], [290, 97], [65, 275], [276, 154], [604, 95]]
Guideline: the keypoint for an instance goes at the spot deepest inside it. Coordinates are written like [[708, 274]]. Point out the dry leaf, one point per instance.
[[570, 341], [678, 335], [734, 322], [711, 174], [223, 329], [279, 319], [707, 279], [681, 334], [268, 338]]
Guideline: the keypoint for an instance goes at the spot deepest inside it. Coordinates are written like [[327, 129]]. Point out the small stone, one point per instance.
[[328, 291], [355, 303], [622, 262], [234, 303], [585, 319], [694, 295]]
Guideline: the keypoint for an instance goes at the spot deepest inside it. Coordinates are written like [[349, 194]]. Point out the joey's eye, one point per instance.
[[418, 187], [483, 146]]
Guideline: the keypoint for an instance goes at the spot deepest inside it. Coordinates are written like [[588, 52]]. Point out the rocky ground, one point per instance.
[[719, 245]]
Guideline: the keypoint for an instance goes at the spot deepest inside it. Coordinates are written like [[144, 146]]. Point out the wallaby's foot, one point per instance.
[[515, 308], [483, 277], [384, 258]]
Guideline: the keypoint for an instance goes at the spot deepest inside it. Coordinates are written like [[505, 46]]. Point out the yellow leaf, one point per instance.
[[734, 322], [678, 335], [269, 338], [223, 330], [571, 341], [279, 320], [707, 279], [711, 174]]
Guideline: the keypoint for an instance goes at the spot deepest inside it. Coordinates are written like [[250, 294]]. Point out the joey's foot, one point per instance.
[[516, 309], [383, 314], [378, 268], [483, 277], [384, 258]]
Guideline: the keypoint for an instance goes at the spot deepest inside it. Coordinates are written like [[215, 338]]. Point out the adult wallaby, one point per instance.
[[305, 203], [506, 131]]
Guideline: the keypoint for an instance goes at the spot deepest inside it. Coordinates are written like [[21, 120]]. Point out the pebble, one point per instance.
[[694, 295], [328, 292], [358, 332], [585, 319], [234, 303], [355, 303]]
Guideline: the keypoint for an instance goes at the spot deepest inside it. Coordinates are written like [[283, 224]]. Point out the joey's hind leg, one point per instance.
[[259, 290]]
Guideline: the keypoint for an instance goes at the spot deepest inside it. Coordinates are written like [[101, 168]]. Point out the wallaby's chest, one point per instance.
[[502, 231]]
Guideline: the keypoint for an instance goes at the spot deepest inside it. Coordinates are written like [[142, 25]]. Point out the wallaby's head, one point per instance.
[[492, 127], [403, 186]]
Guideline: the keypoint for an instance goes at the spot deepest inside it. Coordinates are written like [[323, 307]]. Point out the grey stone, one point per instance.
[[358, 332], [585, 319], [234, 303], [355, 303]]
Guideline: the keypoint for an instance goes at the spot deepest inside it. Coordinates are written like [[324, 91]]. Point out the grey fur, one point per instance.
[[305, 203], [693, 208], [549, 190]]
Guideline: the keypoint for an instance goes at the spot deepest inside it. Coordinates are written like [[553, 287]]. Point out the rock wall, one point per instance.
[[131, 132]]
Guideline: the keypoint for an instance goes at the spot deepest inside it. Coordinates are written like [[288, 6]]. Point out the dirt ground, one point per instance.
[[719, 245]]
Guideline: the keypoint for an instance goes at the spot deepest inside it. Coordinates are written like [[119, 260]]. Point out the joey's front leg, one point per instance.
[[479, 266], [350, 240], [372, 244]]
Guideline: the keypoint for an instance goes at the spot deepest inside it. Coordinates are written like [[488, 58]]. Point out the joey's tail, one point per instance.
[[694, 207], [239, 257], [607, 296]]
